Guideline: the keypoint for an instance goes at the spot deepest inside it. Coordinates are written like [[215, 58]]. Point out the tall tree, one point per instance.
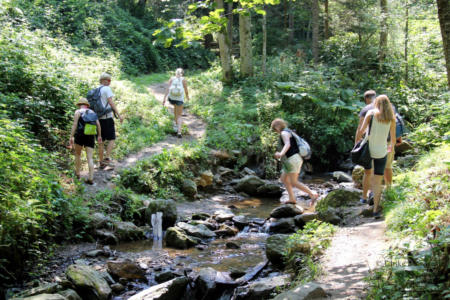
[[315, 30], [264, 49], [327, 27], [291, 24], [225, 50], [406, 40], [383, 31], [245, 41], [444, 20], [230, 22]]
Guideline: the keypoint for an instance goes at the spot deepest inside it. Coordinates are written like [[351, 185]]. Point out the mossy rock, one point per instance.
[[177, 238], [167, 207], [275, 247], [342, 197], [128, 231], [89, 283]]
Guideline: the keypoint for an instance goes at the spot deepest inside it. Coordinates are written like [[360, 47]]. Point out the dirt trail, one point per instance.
[[353, 252], [196, 129]]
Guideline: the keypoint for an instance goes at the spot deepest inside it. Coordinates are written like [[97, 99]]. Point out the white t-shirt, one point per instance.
[[377, 138], [106, 93]]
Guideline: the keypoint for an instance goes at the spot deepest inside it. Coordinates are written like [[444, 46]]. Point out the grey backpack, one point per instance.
[[94, 97]]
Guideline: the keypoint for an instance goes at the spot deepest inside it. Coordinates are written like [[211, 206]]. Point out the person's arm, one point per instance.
[[74, 127], [365, 123], [113, 106], [392, 131], [287, 144], [185, 89], [167, 91], [358, 135], [99, 132]]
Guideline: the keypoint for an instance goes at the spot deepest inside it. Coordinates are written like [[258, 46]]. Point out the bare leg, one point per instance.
[[376, 183], [293, 178], [179, 117], [90, 159], [109, 148], [78, 150], [287, 184], [101, 151], [388, 174], [366, 182], [175, 114]]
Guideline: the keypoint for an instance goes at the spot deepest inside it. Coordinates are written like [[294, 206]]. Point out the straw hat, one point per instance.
[[83, 101]]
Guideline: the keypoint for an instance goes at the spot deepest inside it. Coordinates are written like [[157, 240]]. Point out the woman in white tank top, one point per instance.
[[383, 123], [176, 90]]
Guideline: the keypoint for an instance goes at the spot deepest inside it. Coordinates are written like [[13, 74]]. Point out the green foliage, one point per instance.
[[32, 199], [162, 174], [304, 246], [410, 274]]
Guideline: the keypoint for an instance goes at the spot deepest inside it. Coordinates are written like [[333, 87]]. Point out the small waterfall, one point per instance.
[[157, 231]]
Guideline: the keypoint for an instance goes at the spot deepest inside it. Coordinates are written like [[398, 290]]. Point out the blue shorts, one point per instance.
[[176, 102], [379, 164]]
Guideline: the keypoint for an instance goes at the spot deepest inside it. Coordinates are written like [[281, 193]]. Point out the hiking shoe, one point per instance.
[[106, 163], [371, 202], [179, 134], [376, 215], [363, 201], [88, 181]]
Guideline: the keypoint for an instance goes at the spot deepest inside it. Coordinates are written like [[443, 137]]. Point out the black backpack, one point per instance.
[[87, 122], [95, 102]]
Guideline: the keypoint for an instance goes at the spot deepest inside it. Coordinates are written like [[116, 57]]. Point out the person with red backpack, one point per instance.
[[176, 90], [84, 130]]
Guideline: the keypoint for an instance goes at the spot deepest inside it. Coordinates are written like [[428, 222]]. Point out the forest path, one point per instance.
[[354, 251], [196, 128]]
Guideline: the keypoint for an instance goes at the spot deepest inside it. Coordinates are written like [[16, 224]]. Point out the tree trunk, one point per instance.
[[230, 22], [291, 24], [444, 20], [406, 41], [383, 32], [327, 29], [308, 31], [264, 49], [225, 51], [208, 40], [285, 20], [315, 31], [156, 10], [142, 4], [245, 41]]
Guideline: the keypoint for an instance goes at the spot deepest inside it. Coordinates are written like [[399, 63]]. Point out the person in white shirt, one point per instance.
[[107, 122], [176, 90], [383, 123]]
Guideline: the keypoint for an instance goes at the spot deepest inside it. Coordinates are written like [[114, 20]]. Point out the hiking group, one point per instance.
[[93, 120], [378, 120]]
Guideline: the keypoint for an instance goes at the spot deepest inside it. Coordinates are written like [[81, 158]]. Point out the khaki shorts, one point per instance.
[[390, 158], [293, 164]]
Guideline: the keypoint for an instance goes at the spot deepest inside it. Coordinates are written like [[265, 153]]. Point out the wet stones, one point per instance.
[[240, 221], [339, 198], [200, 231], [275, 248], [125, 268], [207, 281], [173, 289], [302, 219], [200, 216], [88, 282], [70, 295], [330, 216], [286, 210], [283, 225], [177, 238], [232, 245], [249, 184], [189, 188], [117, 288], [43, 289], [247, 171], [167, 207], [224, 217], [269, 190], [209, 225], [261, 289], [227, 230], [46, 297], [306, 291], [127, 231], [164, 276]]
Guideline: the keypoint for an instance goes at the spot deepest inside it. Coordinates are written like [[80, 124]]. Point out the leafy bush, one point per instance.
[[304, 246], [33, 201]]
